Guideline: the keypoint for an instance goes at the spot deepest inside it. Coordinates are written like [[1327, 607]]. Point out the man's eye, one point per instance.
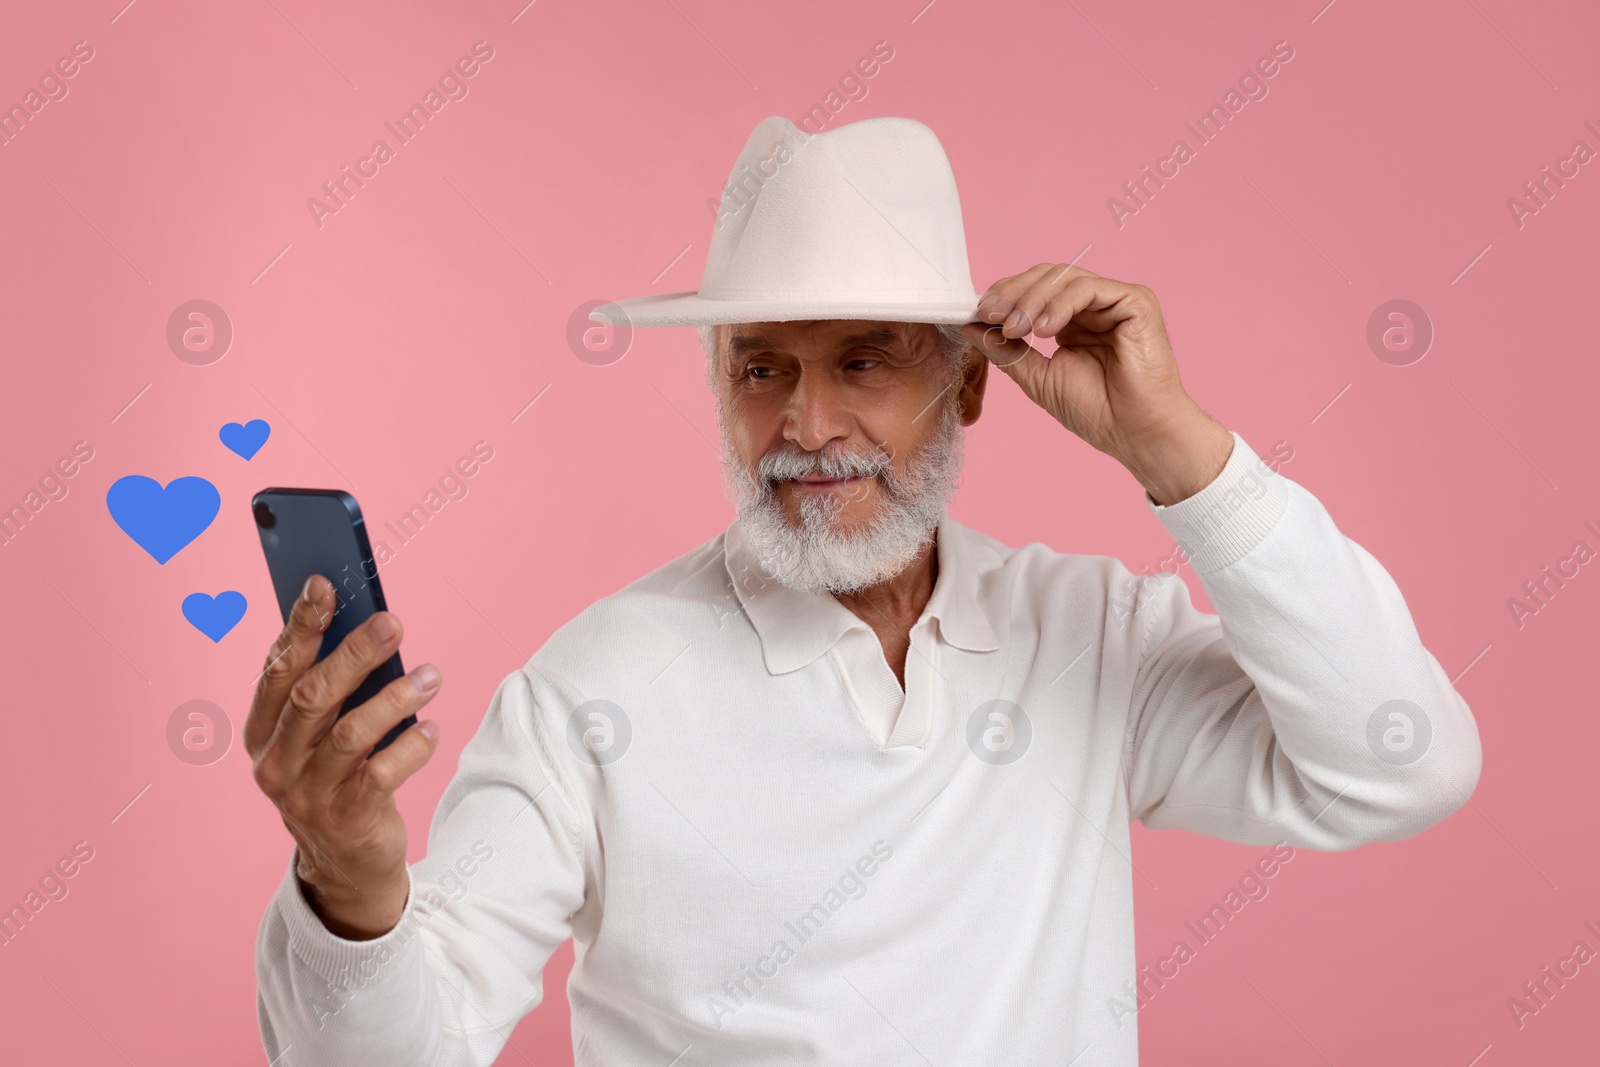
[[752, 371]]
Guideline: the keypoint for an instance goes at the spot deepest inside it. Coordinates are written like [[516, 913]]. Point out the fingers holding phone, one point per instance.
[[340, 757], [313, 763], [333, 728], [317, 696], [287, 659]]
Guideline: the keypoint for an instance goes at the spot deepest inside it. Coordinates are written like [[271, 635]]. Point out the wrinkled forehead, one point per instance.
[[745, 338]]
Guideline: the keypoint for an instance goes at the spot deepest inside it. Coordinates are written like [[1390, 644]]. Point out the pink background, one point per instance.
[[433, 308]]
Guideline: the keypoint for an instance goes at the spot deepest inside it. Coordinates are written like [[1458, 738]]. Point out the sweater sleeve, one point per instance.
[[1306, 710], [489, 903]]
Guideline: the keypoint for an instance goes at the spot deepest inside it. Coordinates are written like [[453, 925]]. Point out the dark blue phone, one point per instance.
[[320, 531]]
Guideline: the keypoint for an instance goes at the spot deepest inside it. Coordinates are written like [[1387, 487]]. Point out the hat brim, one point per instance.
[[692, 309]]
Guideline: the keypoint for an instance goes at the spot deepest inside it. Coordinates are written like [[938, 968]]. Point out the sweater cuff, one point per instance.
[[341, 963], [1229, 517]]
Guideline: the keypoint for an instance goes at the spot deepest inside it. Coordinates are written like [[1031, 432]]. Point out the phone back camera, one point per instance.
[[264, 516]]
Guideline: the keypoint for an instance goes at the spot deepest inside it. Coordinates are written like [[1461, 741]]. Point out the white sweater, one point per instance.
[[766, 853]]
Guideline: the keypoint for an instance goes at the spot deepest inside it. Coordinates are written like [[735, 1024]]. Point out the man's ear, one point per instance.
[[974, 377]]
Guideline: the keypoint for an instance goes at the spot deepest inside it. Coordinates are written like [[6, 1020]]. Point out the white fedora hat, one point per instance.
[[858, 222]]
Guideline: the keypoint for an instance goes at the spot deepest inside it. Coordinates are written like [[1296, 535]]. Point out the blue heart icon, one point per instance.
[[161, 521], [246, 440], [214, 616]]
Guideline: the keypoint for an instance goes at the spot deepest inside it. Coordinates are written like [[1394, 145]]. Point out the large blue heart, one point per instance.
[[161, 521], [246, 440], [214, 616]]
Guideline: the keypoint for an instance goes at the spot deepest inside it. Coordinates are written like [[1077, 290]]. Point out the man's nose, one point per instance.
[[816, 413]]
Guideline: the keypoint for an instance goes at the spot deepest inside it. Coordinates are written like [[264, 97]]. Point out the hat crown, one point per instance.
[[865, 212], [858, 222]]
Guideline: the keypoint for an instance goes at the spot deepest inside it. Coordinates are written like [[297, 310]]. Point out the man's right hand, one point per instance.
[[313, 765]]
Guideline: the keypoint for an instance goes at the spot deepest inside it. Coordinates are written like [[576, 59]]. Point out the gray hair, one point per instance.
[[953, 345]]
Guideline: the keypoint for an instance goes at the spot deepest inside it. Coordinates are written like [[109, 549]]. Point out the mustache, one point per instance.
[[792, 461]]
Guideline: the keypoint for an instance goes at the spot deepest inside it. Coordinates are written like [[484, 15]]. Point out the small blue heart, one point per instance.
[[246, 440], [161, 521], [214, 616]]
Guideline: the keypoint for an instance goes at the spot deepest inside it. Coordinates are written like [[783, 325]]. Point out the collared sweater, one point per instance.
[[766, 851]]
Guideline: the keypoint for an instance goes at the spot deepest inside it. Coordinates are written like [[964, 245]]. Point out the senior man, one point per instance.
[[852, 782]]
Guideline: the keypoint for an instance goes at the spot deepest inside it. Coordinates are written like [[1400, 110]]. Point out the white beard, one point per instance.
[[813, 555]]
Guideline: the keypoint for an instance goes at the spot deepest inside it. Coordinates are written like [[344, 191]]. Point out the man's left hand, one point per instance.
[[1113, 380]]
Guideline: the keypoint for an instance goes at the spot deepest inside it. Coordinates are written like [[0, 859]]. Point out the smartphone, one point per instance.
[[320, 531]]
